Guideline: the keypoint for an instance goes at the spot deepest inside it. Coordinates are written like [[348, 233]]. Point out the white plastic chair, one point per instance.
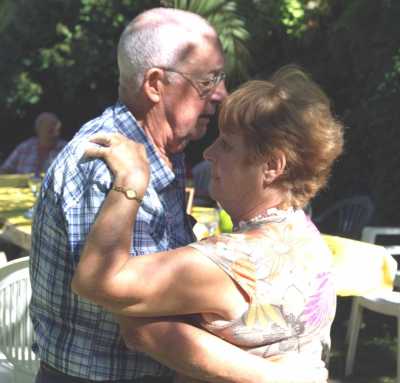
[[383, 302], [16, 332]]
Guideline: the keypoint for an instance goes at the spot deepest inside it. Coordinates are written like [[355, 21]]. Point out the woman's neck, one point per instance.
[[273, 199]]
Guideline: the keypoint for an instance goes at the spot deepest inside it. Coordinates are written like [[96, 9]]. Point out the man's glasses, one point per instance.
[[204, 85]]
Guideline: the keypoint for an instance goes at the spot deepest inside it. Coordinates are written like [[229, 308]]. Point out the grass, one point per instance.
[[376, 349]]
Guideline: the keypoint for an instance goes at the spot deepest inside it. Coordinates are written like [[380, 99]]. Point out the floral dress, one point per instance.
[[283, 266]]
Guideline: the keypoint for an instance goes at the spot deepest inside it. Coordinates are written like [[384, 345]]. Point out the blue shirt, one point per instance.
[[26, 158], [75, 336]]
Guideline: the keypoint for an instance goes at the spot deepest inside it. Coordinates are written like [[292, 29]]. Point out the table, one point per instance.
[[360, 267], [15, 199]]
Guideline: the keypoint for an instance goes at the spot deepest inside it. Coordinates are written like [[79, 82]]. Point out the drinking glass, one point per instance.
[[207, 221]]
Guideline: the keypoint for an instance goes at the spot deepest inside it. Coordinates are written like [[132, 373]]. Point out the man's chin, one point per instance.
[[178, 148], [201, 129]]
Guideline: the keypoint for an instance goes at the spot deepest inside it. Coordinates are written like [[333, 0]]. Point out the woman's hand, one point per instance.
[[126, 159]]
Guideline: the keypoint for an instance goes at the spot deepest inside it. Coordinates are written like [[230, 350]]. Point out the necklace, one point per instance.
[[269, 215]]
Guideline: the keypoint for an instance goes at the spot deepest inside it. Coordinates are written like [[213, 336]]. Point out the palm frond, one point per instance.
[[222, 15]]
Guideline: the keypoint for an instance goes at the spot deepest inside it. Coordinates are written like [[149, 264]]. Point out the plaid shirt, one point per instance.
[[74, 336], [25, 157]]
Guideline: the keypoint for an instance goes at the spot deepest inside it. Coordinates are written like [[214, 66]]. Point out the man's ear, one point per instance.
[[153, 81], [274, 167]]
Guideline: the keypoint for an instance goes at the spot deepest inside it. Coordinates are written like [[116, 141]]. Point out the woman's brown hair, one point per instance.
[[289, 113]]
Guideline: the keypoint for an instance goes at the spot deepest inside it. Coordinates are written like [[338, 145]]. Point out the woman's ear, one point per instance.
[[274, 167], [152, 83]]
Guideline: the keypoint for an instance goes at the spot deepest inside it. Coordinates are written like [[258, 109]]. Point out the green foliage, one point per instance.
[[352, 49], [366, 41], [390, 85], [24, 60], [60, 51], [26, 91], [59, 55], [293, 14]]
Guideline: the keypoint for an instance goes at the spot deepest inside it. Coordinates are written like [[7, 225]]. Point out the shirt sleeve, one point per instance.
[[82, 204]]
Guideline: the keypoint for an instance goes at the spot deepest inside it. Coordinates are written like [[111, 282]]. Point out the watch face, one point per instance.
[[131, 194]]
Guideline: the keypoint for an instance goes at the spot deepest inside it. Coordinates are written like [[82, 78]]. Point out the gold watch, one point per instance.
[[129, 193]]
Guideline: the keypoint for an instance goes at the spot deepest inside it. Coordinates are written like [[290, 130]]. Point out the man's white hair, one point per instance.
[[163, 37]]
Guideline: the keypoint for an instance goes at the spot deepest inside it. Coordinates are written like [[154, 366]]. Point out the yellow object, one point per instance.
[[207, 221], [15, 199], [360, 267], [225, 222]]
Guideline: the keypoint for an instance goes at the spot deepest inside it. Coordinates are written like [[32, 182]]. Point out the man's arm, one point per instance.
[[196, 353]]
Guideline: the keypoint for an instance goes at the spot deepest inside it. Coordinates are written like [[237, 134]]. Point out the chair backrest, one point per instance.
[[16, 332], [347, 217]]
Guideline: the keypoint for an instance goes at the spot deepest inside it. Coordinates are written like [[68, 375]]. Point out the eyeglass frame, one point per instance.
[[216, 80]]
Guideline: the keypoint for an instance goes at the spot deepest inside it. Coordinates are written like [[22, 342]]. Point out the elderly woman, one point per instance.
[[267, 287]]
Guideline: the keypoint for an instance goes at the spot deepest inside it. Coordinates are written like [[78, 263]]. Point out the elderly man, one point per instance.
[[171, 80], [35, 154]]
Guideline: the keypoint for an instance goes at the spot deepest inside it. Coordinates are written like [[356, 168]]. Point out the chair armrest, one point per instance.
[[370, 233], [393, 250]]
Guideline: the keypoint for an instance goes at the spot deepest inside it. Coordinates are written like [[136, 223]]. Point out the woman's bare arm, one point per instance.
[[180, 281]]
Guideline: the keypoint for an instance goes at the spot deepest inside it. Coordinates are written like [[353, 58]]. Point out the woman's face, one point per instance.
[[235, 183]]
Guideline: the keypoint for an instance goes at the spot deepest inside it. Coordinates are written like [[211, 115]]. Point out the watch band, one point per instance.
[[128, 192]]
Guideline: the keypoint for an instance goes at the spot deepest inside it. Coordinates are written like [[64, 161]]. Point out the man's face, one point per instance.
[[47, 128], [187, 103]]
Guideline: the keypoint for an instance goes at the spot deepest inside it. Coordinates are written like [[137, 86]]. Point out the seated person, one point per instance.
[[35, 154], [268, 286]]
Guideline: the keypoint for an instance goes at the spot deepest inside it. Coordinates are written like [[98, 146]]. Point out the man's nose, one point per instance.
[[220, 92]]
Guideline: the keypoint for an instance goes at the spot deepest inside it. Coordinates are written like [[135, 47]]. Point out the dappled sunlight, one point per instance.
[[15, 201]]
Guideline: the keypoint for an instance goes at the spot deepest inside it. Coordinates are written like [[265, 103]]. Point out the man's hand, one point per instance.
[[126, 158]]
